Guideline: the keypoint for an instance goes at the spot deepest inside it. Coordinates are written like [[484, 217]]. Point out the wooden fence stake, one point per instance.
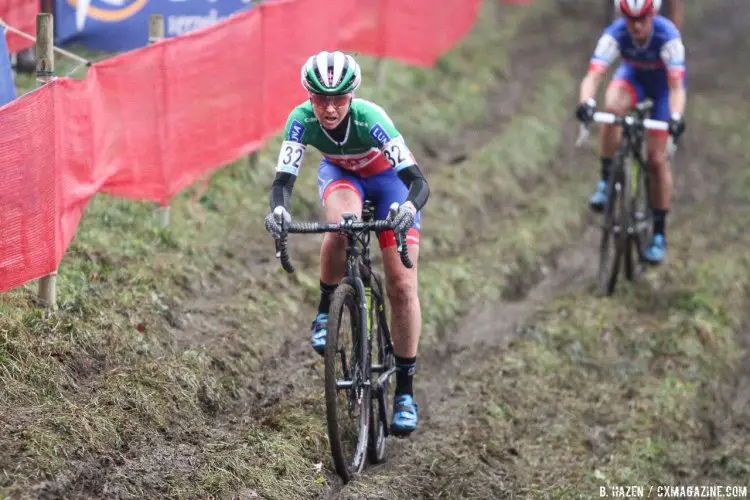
[[252, 158], [155, 34], [45, 72]]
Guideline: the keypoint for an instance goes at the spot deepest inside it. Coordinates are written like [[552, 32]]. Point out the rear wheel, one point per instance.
[[347, 388], [640, 221], [382, 354], [644, 217]]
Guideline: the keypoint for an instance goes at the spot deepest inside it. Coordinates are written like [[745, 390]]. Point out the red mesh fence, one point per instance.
[[21, 14], [146, 124]]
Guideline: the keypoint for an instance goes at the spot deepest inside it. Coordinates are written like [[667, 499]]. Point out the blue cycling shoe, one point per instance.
[[656, 252], [404, 415], [319, 330], [599, 199]]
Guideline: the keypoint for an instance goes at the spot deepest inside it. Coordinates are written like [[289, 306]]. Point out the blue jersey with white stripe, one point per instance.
[[663, 51]]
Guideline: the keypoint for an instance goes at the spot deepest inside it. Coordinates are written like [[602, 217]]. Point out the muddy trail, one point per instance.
[[451, 455]]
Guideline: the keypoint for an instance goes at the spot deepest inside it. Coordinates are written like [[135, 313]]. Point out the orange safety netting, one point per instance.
[[20, 14], [146, 124]]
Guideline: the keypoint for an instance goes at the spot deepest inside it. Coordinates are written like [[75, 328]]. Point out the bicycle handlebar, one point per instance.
[[282, 252], [613, 119]]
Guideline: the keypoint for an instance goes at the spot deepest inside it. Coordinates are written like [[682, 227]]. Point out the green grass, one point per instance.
[[158, 374], [642, 388], [102, 377]]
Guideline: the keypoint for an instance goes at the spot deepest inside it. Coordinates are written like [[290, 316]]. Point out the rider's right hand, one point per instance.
[[273, 221], [585, 111]]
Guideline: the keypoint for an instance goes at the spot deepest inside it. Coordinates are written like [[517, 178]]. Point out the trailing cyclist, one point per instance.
[[364, 157], [653, 66]]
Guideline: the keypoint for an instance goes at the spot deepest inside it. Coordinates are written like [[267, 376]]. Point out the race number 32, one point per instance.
[[290, 157], [397, 154]]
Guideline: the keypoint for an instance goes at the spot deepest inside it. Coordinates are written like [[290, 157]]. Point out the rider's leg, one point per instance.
[[403, 298], [661, 178], [340, 193], [661, 175], [406, 325], [402, 288], [622, 94], [341, 198]]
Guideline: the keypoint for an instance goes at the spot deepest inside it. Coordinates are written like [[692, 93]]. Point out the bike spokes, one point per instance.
[[383, 368], [346, 385], [613, 233]]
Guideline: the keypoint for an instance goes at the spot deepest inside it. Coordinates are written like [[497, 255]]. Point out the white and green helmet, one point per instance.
[[331, 73]]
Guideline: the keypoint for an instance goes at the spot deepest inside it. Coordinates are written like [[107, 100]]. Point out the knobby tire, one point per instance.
[[641, 220], [345, 300], [616, 204], [625, 218]]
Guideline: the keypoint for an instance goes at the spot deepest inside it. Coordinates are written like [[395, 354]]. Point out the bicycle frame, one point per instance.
[[634, 130], [625, 192], [358, 246], [358, 379], [632, 143]]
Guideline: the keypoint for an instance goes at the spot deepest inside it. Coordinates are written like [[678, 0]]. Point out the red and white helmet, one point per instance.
[[638, 8]]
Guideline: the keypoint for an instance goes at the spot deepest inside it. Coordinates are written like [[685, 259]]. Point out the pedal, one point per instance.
[[400, 433]]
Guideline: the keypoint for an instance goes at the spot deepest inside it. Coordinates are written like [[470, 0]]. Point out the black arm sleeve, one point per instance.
[[419, 191], [281, 190]]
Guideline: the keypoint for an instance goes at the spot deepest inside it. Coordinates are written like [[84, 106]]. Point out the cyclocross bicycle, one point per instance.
[[628, 216], [355, 384]]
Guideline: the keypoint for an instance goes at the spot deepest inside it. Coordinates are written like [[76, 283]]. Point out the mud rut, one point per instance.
[[292, 372], [489, 328]]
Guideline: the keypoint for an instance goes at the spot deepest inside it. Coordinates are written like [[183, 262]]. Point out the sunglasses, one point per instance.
[[323, 101]]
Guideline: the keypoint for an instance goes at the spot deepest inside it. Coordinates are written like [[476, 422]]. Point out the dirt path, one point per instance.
[[447, 372]]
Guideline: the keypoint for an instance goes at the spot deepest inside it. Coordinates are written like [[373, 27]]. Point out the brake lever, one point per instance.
[[583, 135], [392, 211]]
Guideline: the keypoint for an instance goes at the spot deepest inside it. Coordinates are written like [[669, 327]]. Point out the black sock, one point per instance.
[[660, 222], [325, 297], [405, 368], [606, 167]]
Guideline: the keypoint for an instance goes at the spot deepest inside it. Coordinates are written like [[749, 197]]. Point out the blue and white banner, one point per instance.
[[121, 25], [7, 84]]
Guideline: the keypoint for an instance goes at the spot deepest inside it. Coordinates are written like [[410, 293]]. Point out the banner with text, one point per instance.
[[146, 124], [122, 25]]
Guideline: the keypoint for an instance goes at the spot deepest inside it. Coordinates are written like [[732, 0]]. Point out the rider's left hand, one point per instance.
[[676, 125], [404, 218]]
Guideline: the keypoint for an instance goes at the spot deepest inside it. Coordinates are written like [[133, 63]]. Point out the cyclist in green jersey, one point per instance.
[[364, 157]]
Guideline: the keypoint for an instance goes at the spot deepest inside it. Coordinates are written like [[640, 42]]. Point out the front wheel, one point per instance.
[[614, 229], [347, 384]]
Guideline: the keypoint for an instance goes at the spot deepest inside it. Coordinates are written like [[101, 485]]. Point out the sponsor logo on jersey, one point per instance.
[[296, 130], [355, 163], [380, 135]]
